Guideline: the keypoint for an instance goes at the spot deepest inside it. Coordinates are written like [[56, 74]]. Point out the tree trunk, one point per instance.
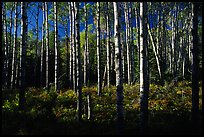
[[98, 50], [108, 46], [42, 48], [56, 47], [154, 50], [70, 48], [36, 49], [118, 68], [5, 69], [47, 45], [143, 68], [74, 46], [131, 44], [85, 46], [128, 41], [14, 47], [22, 68], [78, 61], [195, 67]]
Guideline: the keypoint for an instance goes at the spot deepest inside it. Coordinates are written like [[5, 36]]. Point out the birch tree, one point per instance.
[[14, 47], [118, 67], [5, 68], [108, 45], [47, 45], [127, 32], [78, 64], [56, 46], [42, 47], [71, 47], [143, 68], [195, 67], [98, 50], [22, 68]]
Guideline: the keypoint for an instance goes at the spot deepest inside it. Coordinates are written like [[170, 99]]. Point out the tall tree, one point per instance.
[[127, 32], [78, 66], [71, 47], [5, 69], [56, 47], [195, 67], [85, 45], [36, 47], [143, 68], [108, 45], [14, 47], [98, 50], [42, 48], [74, 46], [118, 67], [22, 68], [47, 45]]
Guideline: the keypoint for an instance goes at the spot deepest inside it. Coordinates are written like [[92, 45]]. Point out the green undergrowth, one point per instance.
[[50, 112]]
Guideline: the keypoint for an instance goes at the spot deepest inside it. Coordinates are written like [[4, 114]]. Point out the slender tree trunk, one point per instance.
[[98, 50], [22, 68], [122, 55], [131, 44], [67, 58], [56, 47], [9, 53], [36, 49], [47, 45], [118, 68], [173, 44], [74, 47], [108, 45], [128, 41], [42, 48], [78, 57], [5, 69], [143, 69], [195, 67], [14, 48], [70, 48], [154, 50], [85, 46]]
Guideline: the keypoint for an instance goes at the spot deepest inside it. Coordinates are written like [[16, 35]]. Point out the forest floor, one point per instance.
[[48, 113]]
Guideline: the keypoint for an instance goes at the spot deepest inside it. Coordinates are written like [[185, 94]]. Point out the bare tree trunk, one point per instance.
[[78, 57], [154, 50], [9, 52], [47, 45], [14, 48], [71, 47], [108, 46], [74, 47], [195, 67], [42, 48], [36, 49], [128, 42], [85, 46], [143, 69], [67, 58], [5, 68], [131, 44], [118, 68], [98, 50], [56, 47], [22, 68]]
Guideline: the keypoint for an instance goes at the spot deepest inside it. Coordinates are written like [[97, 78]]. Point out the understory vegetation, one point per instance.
[[50, 112]]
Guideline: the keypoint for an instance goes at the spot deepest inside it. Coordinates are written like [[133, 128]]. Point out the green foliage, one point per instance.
[[171, 100]]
